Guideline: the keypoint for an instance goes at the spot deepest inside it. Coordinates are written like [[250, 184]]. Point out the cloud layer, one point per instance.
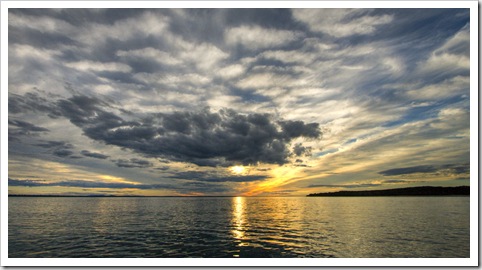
[[172, 98]]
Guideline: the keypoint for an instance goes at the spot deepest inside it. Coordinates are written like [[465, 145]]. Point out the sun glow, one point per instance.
[[237, 169]]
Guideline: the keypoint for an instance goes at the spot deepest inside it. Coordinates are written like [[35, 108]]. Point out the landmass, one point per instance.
[[410, 191]]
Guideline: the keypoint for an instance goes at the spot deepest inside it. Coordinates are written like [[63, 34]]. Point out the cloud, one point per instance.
[[19, 128], [202, 137], [83, 184], [341, 22], [43, 24], [163, 168], [452, 120], [63, 152], [216, 177], [409, 170], [149, 59], [439, 169], [280, 192], [396, 181], [132, 163], [55, 144], [266, 80], [128, 28], [99, 66], [204, 55], [59, 148], [31, 101], [366, 184], [93, 154], [231, 71], [453, 57], [454, 86], [300, 150], [186, 187], [256, 37], [345, 185], [26, 126]]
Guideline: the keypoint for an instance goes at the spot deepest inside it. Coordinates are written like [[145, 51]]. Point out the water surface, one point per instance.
[[211, 227]]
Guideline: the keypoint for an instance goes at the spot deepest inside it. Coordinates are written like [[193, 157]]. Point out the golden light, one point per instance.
[[238, 219], [238, 169]]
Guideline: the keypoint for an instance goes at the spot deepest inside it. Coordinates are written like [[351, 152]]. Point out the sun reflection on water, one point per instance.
[[239, 221]]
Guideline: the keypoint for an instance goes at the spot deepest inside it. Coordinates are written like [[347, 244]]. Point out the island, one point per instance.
[[410, 191]]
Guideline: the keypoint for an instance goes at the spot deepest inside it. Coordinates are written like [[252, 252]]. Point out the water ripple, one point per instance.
[[238, 227]]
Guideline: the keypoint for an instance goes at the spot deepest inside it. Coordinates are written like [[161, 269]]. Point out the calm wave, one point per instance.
[[353, 227]]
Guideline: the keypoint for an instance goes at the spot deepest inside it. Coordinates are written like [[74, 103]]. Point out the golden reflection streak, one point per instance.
[[239, 221]]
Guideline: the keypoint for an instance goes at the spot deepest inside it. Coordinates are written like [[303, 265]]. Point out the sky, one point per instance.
[[236, 102]]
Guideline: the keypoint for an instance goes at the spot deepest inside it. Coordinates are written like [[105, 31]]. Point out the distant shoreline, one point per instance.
[[411, 191]]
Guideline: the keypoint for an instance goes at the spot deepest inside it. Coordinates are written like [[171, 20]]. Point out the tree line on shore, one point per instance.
[[410, 191]]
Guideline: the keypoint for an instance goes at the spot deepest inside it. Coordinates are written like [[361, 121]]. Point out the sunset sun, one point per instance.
[[238, 169]]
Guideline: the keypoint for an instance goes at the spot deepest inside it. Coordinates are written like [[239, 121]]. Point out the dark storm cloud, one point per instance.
[[93, 154], [202, 137], [438, 169], [132, 163], [294, 129], [212, 177]]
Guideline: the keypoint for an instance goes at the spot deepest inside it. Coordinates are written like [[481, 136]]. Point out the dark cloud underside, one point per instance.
[[205, 138], [448, 168], [93, 154]]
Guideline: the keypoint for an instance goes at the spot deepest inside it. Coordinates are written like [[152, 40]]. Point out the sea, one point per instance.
[[245, 227]]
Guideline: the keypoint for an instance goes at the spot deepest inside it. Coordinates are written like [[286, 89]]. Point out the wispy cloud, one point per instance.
[[342, 22]]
